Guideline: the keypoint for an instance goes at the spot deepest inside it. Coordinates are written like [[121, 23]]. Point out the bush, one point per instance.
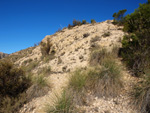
[[119, 17], [93, 21], [141, 95], [135, 50], [12, 80], [12, 84], [12, 105], [76, 23], [46, 47], [84, 22]]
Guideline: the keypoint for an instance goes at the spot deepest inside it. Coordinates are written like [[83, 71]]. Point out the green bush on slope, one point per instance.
[[13, 85]]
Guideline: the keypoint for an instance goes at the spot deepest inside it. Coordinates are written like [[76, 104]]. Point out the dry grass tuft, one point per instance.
[[141, 95], [61, 104]]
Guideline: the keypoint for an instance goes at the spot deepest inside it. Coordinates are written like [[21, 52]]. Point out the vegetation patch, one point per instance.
[[106, 34], [62, 103], [96, 38], [13, 84], [45, 70], [141, 95], [46, 47], [105, 80], [135, 50], [31, 66], [93, 21]]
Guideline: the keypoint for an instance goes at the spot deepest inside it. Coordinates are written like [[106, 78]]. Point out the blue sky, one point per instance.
[[26, 22]]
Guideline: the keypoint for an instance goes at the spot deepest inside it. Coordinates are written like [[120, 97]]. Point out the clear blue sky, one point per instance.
[[25, 22]]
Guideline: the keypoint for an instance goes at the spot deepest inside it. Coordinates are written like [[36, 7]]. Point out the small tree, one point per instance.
[[119, 17], [84, 22], [93, 21], [76, 22]]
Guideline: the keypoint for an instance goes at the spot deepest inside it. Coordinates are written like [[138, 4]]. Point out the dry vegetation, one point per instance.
[[102, 78]]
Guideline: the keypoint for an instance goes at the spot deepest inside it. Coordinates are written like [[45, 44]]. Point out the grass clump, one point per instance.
[[97, 55], [96, 38], [40, 87], [106, 79], [141, 95], [31, 66], [45, 70], [40, 81], [77, 80], [61, 104]]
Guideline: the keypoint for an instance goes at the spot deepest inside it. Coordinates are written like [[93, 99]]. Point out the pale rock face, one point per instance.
[[72, 48]]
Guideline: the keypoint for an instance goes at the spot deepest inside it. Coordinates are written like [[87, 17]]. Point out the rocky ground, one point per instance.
[[72, 48]]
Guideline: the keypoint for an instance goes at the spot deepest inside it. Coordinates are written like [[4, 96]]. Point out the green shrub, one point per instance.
[[13, 84], [119, 17], [61, 104], [84, 22], [93, 21], [135, 51], [141, 95], [12, 80], [76, 23]]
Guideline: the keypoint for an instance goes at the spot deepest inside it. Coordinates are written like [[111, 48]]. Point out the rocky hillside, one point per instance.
[[71, 49], [2, 55]]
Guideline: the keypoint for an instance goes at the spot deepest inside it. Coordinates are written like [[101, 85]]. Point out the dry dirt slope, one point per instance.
[[72, 48]]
